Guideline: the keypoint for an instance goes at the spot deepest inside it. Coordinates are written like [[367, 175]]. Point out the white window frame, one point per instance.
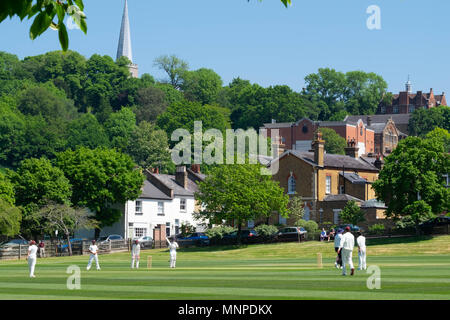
[[328, 184], [140, 232], [161, 208], [138, 204], [181, 205]]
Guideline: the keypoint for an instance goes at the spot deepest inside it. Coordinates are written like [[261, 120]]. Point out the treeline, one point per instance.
[[54, 102]]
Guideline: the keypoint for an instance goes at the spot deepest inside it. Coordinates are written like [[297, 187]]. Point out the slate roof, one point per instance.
[[335, 161], [402, 118], [377, 127], [354, 178], [341, 197], [169, 180], [150, 191], [373, 203]]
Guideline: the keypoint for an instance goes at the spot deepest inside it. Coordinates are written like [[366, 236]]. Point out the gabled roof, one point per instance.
[[150, 191], [402, 118], [178, 190], [353, 178]]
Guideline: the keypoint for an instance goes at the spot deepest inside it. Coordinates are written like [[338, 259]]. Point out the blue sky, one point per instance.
[[265, 42]]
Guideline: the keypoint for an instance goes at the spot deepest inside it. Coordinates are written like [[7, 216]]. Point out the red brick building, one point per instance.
[[299, 135]]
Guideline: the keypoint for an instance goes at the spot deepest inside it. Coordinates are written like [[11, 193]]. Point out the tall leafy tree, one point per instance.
[[442, 136], [422, 121], [101, 178], [6, 190], [174, 67], [202, 85], [352, 213], [414, 171], [150, 103], [10, 219], [334, 143], [237, 193], [119, 128], [86, 131]]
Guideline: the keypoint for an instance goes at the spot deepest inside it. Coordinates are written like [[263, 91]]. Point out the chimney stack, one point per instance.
[[352, 150], [195, 168], [181, 176], [378, 162], [369, 121], [318, 147]]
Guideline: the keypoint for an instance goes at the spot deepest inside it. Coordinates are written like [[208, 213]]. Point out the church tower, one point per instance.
[[124, 48]]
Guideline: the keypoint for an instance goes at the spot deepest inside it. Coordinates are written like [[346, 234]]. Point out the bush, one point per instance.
[[311, 226], [313, 236], [265, 230], [377, 229], [217, 233], [301, 223]]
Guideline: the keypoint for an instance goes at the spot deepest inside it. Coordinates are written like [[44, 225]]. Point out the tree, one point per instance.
[[174, 67], [12, 136], [352, 213], [201, 85], [440, 135], [36, 183], [414, 171], [10, 218], [334, 143], [101, 178], [119, 128], [416, 213], [6, 190], [150, 103], [66, 219], [149, 146], [46, 12], [86, 131], [296, 209], [237, 193], [424, 120]]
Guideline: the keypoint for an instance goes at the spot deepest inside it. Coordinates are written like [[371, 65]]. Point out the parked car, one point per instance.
[[291, 234], [12, 244], [65, 246], [145, 241], [435, 224], [247, 236], [196, 238], [353, 228], [112, 237]]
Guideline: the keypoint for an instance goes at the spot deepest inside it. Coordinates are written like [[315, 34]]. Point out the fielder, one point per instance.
[[346, 247], [135, 254], [31, 257], [173, 252], [337, 243], [93, 251], [361, 241]]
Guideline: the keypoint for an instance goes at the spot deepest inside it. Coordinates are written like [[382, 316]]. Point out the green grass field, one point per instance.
[[410, 269]]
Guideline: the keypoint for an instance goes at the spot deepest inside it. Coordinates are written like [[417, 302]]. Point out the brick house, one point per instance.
[[299, 135], [326, 182]]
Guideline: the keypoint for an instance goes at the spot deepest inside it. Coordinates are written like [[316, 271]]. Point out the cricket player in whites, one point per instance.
[[32, 256], [173, 252], [346, 248], [361, 241], [135, 254], [93, 251]]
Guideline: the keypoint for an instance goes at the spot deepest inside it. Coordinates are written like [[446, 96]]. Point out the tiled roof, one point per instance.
[[336, 161], [381, 118]]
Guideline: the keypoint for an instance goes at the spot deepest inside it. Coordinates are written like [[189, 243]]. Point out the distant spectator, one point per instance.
[[323, 234], [42, 249], [331, 234]]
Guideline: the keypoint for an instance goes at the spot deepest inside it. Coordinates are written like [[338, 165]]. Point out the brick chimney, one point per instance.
[[195, 168], [181, 176], [369, 121], [318, 147], [352, 150], [378, 162]]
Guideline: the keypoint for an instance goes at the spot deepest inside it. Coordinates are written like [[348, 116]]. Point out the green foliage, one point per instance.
[[352, 213], [418, 212], [10, 219], [334, 143], [296, 209], [6, 190], [150, 103], [48, 14], [416, 168], [174, 67], [201, 85], [422, 121], [310, 225], [186, 229], [265, 230], [240, 193], [149, 147], [86, 131], [441, 136], [218, 232], [120, 127], [377, 229], [101, 178]]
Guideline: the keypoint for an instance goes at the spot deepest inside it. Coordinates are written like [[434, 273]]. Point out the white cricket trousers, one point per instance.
[[92, 257], [173, 260], [133, 259], [31, 265], [346, 260], [362, 259]]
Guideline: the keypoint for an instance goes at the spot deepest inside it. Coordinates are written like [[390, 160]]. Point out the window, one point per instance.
[[328, 185], [177, 226], [138, 207], [336, 213], [167, 229], [183, 205], [383, 109], [396, 109], [361, 131], [411, 108], [250, 224], [140, 232], [291, 185], [341, 189], [160, 208], [321, 215], [281, 220]]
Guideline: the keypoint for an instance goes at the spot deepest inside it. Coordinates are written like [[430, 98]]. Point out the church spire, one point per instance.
[[124, 48]]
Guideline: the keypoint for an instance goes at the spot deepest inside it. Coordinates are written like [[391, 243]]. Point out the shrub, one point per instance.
[[377, 229], [265, 230], [311, 226], [217, 233], [300, 223]]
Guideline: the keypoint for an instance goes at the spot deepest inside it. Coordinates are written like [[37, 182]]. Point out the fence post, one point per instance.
[[110, 245], [20, 251]]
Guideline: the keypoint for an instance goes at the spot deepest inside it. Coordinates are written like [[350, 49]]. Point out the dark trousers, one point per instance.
[[339, 256]]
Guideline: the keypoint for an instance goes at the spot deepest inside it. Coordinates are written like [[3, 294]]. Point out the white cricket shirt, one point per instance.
[[361, 240], [136, 249], [93, 248], [32, 250], [347, 241]]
